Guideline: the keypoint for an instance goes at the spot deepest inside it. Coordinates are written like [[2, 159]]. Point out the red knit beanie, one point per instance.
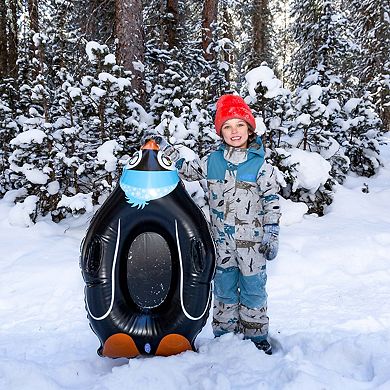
[[232, 106]]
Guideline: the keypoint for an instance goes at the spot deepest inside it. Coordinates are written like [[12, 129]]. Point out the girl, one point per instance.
[[244, 214]]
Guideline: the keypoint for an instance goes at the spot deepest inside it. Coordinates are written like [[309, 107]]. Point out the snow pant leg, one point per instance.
[[253, 306], [226, 301], [254, 322]]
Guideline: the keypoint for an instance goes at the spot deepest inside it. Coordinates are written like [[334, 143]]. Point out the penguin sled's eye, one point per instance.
[[134, 160], [165, 161]]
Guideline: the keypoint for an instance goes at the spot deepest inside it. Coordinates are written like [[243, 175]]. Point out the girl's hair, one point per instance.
[[252, 134]]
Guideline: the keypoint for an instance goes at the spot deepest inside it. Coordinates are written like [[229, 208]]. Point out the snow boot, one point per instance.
[[264, 345]]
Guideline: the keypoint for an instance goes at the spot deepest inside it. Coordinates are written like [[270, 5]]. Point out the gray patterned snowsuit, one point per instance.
[[242, 197]]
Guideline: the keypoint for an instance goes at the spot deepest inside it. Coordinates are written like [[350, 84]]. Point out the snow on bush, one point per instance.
[[27, 137], [22, 213], [97, 92], [264, 76], [261, 128], [311, 169], [106, 155], [92, 48], [77, 204], [123, 83], [109, 59], [313, 93], [53, 187], [34, 175], [105, 76], [177, 130]]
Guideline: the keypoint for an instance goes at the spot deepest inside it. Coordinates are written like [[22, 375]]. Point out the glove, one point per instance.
[[270, 243], [164, 146]]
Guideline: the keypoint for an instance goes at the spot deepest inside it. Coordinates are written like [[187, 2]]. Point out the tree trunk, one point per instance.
[[33, 12], [13, 40], [209, 16], [260, 23], [34, 26], [171, 18], [130, 35], [3, 40]]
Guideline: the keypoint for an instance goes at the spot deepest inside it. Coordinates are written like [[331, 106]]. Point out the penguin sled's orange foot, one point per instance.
[[119, 345], [173, 344]]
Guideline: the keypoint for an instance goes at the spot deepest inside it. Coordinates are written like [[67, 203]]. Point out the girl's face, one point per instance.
[[235, 132]]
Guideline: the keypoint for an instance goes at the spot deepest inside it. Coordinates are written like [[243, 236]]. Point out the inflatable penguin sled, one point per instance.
[[147, 261]]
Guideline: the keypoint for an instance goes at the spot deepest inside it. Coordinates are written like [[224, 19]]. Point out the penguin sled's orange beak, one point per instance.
[[151, 145]]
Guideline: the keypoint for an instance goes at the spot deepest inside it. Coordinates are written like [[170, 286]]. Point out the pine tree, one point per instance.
[[8, 130], [112, 122], [361, 135], [171, 71], [372, 67], [271, 102], [325, 50], [31, 161], [221, 79]]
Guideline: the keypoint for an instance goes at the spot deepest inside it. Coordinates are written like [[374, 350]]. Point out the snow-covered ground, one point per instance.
[[329, 307]]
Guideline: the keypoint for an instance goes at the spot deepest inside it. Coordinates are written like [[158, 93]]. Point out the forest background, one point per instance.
[[81, 82]]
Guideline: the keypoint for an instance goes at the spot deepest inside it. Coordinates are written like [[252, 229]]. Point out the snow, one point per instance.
[[98, 92], [264, 76], [38, 39], [4, 108], [104, 76], [333, 106], [20, 214], [106, 156], [329, 308], [303, 119], [92, 47], [313, 94], [311, 170], [77, 202], [87, 81], [261, 128], [332, 150], [74, 92], [53, 187], [292, 212], [223, 65], [139, 66], [177, 103], [34, 175], [386, 17], [351, 104], [27, 137], [109, 59], [177, 129], [123, 83]]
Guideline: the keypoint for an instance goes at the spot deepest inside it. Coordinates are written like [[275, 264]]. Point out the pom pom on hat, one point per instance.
[[232, 106]]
